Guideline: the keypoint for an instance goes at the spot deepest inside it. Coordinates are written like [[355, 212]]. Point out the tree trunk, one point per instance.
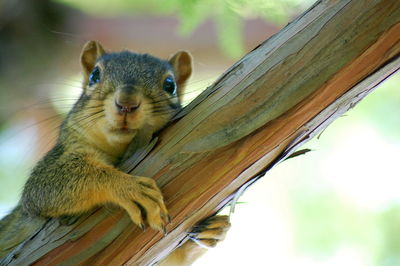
[[271, 101]]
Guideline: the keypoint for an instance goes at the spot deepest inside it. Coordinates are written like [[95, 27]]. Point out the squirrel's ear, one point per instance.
[[90, 52], [182, 64]]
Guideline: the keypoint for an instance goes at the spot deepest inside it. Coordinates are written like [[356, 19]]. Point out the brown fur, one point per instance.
[[79, 173], [126, 95]]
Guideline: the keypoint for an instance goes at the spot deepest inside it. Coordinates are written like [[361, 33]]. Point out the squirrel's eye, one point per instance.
[[94, 76], [170, 85]]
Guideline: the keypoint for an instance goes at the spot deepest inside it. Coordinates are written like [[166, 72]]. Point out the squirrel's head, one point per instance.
[[129, 90]]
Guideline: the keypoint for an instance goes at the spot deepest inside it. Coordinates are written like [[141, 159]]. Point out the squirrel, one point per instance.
[[123, 93]]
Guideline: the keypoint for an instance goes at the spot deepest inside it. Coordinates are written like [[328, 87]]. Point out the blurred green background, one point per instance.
[[337, 205]]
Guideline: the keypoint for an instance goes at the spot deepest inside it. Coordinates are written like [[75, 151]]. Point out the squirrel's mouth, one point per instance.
[[124, 126]]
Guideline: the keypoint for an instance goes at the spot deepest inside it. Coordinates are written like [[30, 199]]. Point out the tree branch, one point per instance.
[[271, 101]]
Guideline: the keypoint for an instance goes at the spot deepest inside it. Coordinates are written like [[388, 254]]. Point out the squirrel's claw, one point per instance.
[[209, 232], [146, 202]]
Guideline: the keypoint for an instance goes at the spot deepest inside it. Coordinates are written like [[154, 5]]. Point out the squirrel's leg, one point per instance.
[[98, 184], [204, 235]]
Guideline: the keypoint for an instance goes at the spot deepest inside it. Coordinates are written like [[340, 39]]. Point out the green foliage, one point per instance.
[[325, 223], [229, 28], [228, 15], [389, 222]]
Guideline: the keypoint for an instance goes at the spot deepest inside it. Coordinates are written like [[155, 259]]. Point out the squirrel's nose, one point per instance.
[[127, 107], [127, 102]]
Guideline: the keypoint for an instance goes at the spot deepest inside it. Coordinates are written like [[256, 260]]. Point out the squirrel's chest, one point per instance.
[[104, 156]]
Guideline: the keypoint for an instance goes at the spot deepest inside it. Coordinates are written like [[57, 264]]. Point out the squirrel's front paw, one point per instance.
[[209, 232], [146, 204]]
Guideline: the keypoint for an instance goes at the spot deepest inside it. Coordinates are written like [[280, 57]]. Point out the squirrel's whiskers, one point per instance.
[[124, 95]]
